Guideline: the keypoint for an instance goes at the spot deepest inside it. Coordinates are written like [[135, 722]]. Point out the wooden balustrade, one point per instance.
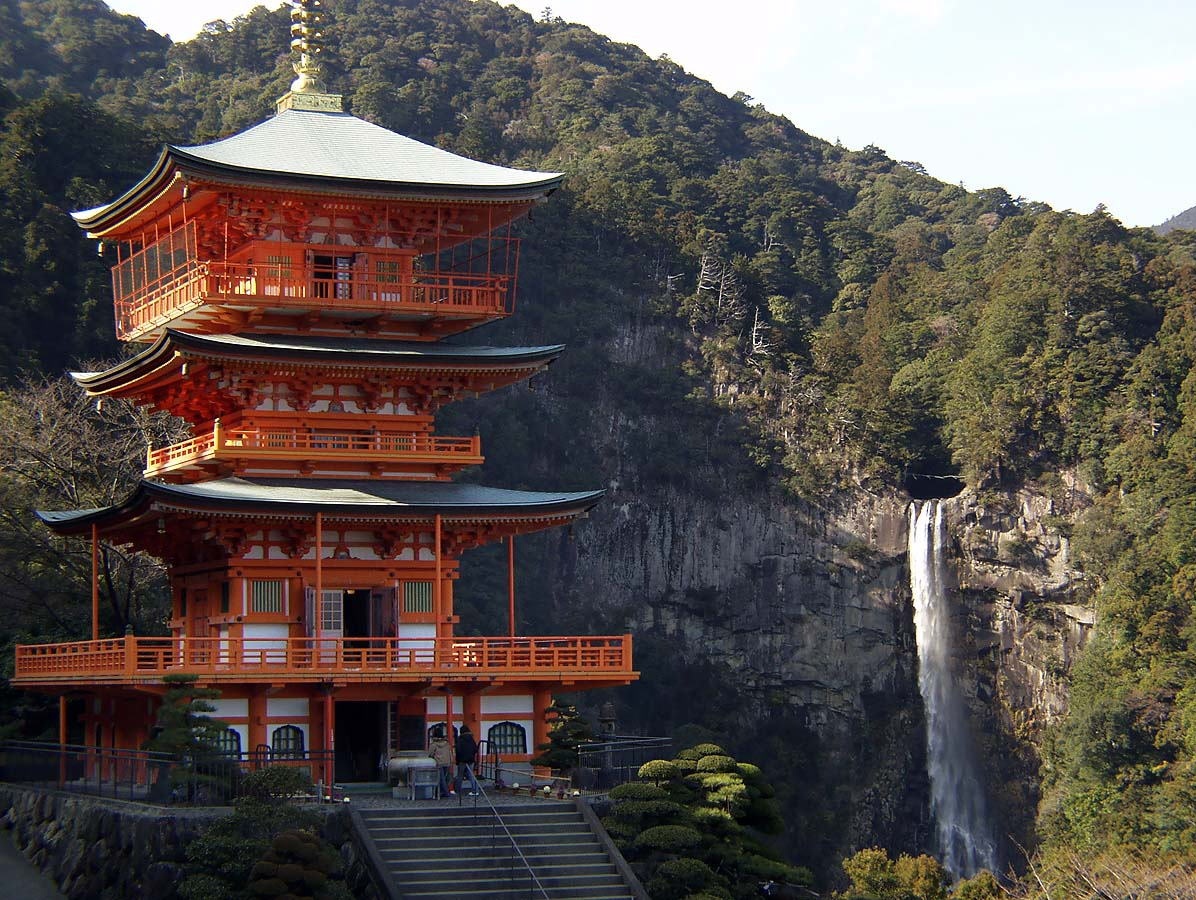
[[141, 308], [280, 443], [137, 659]]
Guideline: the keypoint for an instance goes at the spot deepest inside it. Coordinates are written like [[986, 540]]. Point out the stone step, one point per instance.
[[559, 872]]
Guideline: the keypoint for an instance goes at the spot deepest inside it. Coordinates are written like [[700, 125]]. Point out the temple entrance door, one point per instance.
[[360, 740], [357, 614]]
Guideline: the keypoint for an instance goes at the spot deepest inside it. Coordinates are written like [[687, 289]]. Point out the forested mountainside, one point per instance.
[[1185, 220], [769, 336]]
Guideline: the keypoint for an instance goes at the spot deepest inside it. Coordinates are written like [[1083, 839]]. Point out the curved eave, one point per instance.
[[173, 163], [170, 350], [304, 497]]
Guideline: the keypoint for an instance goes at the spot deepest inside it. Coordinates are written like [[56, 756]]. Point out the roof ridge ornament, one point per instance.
[[307, 39]]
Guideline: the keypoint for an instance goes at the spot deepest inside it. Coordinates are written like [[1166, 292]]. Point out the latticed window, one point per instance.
[[387, 271], [417, 596], [287, 742], [266, 596], [227, 742], [507, 737]]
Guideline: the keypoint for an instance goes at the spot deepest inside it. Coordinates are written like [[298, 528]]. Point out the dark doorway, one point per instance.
[[360, 727], [357, 614]]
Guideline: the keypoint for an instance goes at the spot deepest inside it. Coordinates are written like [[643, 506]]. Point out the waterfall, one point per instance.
[[957, 801]]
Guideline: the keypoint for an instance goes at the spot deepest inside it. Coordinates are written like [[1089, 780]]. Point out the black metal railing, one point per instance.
[[147, 776], [616, 760], [519, 871]]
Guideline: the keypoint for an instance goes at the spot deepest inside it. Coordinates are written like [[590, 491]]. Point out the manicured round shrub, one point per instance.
[[658, 770], [668, 839], [676, 879], [715, 763], [709, 750], [638, 790], [637, 810]]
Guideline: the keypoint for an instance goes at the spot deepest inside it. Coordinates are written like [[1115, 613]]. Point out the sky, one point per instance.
[[1069, 102]]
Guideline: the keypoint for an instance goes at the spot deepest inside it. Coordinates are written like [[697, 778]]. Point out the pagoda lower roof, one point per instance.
[[330, 152], [302, 497], [173, 347]]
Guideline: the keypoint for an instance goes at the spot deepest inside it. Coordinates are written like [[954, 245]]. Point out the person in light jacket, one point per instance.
[[442, 754]]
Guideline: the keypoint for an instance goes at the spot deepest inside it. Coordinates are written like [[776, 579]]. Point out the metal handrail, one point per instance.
[[498, 820]]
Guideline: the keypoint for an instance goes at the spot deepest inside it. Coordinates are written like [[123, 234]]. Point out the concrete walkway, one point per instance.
[[20, 878]]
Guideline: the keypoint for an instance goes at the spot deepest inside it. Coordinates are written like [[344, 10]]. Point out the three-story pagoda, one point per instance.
[[291, 285]]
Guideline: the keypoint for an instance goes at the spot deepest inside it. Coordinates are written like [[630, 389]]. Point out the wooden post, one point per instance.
[[437, 598], [542, 699], [319, 630], [329, 748], [511, 582], [95, 582]]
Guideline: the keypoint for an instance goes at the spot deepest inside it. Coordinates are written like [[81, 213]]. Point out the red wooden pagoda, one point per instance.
[[291, 283]]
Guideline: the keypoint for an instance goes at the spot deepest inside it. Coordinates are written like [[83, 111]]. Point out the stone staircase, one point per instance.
[[454, 852]]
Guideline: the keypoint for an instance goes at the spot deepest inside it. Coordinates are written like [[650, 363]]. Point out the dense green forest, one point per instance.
[[836, 319]]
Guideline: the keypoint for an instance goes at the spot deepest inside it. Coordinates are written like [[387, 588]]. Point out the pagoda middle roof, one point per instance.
[[306, 496], [328, 352], [335, 151]]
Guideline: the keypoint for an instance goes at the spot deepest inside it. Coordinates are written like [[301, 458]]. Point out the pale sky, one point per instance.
[[1071, 102]]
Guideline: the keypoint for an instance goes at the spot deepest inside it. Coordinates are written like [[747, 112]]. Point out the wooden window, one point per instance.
[[506, 738], [417, 596], [287, 742], [387, 271], [227, 743], [266, 596], [224, 596]]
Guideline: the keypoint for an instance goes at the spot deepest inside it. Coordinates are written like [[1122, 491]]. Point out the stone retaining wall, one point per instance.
[[100, 849]]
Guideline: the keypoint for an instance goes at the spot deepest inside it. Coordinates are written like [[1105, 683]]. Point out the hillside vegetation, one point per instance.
[[835, 319]]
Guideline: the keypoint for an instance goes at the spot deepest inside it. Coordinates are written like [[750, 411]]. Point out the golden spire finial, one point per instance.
[[307, 39]]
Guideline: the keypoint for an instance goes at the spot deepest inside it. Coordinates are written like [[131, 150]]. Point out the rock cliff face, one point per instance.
[[786, 631]]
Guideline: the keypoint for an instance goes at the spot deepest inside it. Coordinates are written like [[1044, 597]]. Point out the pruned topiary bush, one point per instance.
[[639, 790], [668, 839], [695, 814], [657, 770]]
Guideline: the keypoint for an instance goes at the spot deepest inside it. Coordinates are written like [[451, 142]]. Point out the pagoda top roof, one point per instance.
[[173, 347], [307, 496], [332, 152]]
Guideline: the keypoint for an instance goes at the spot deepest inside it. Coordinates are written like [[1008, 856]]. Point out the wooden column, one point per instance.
[[257, 721], [95, 582], [437, 590], [541, 700], [471, 715], [511, 582], [319, 604], [329, 742]]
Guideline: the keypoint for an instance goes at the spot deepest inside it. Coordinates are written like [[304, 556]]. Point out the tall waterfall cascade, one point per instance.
[[957, 802]]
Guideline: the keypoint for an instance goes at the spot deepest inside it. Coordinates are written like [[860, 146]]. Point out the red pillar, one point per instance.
[[95, 582], [329, 747], [541, 700]]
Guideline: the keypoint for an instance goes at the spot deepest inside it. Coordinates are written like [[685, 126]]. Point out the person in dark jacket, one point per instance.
[[467, 757]]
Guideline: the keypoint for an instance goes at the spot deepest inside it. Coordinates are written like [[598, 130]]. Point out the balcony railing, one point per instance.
[[255, 442], [144, 305], [137, 659]]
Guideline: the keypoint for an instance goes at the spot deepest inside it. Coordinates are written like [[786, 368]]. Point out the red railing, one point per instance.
[[145, 305], [372, 659], [273, 443]]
